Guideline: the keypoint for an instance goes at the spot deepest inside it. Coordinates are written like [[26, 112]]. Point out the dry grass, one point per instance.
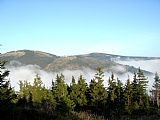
[[88, 116]]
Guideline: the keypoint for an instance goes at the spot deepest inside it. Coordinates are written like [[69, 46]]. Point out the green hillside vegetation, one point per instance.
[[79, 100]]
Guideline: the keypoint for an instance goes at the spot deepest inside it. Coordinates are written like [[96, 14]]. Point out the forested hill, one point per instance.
[[56, 63], [26, 57]]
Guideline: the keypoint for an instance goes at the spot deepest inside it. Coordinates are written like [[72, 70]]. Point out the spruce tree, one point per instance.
[[111, 89], [142, 80], [73, 91], [139, 86], [156, 90], [25, 93], [97, 91], [128, 95], [28, 90], [137, 92], [81, 91], [64, 103], [93, 92], [60, 88], [21, 90], [112, 95], [37, 90], [119, 91], [7, 94]]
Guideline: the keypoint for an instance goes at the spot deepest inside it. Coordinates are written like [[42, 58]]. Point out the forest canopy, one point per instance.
[[117, 100]]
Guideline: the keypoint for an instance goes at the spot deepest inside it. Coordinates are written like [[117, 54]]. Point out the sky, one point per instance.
[[71, 27]]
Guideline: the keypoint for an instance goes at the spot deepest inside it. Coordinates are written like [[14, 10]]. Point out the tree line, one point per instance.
[[112, 102]]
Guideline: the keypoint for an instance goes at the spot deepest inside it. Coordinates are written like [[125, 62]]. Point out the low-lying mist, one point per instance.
[[149, 65], [29, 72]]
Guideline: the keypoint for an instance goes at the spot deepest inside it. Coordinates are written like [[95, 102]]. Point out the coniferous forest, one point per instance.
[[79, 100]]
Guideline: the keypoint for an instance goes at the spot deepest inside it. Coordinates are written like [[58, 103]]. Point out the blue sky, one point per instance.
[[69, 27]]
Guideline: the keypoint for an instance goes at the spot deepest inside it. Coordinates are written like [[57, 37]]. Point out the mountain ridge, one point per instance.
[[92, 53], [54, 63]]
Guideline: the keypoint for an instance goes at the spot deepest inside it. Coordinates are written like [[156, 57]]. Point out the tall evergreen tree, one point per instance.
[[119, 91], [28, 90], [7, 94], [60, 88], [93, 92], [81, 91], [21, 90], [128, 95], [37, 90], [142, 80], [97, 91], [111, 89], [156, 90], [140, 96], [73, 91], [137, 89], [64, 103], [72, 88]]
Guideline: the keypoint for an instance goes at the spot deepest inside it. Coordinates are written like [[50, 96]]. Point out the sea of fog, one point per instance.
[[28, 72]]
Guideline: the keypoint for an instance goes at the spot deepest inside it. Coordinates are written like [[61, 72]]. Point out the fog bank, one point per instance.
[[28, 72]]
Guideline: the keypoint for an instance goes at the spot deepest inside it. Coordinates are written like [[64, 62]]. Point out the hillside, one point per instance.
[[27, 57], [50, 62]]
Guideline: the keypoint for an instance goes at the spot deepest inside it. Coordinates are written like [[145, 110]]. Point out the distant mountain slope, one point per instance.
[[79, 62], [26, 57], [110, 57], [54, 63]]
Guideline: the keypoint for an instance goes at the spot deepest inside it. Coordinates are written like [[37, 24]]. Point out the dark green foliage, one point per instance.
[[111, 89], [73, 90], [78, 92], [141, 79], [156, 90], [137, 90], [140, 96], [6, 92], [115, 96], [81, 91], [111, 95], [97, 92], [36, 95], [60, 88], [128, 97], [62, 101], [64, 104], [119, 91]]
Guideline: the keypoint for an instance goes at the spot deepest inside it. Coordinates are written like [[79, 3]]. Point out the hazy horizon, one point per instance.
[[77, 54], [121, 27]]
